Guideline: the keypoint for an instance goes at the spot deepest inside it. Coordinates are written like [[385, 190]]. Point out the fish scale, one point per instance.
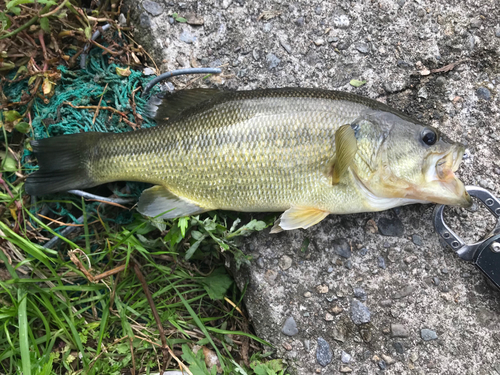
[[239, 153]]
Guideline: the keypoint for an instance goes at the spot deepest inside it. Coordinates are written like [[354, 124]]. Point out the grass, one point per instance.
[[122, 299]]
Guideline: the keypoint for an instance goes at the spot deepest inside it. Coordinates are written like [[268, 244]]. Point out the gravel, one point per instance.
[[483, 93], [345, 357], [324, 354], [153, 8], [360, 314], [342, 248], [428, 334], [290, 327], [399, 330], [390, 227]]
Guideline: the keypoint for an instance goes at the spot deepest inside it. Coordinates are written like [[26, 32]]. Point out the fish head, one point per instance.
[[410, 161]]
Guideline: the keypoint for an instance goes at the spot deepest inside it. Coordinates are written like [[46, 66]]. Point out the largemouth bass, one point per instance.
[[307, 152]]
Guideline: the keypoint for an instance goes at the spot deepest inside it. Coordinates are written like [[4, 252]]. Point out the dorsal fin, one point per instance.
[[167, 106], [346, 147]]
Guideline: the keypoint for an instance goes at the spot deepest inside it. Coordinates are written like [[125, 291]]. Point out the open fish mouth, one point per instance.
[[443, 186]]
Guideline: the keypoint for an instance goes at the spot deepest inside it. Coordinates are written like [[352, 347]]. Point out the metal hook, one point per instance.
[[464, 250]]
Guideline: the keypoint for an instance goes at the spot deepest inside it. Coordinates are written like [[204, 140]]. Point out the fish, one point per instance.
[[305, 152]]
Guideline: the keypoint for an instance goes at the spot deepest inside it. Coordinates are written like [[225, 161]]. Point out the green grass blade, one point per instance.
[[23, 331], [201, 326], [77, 340]]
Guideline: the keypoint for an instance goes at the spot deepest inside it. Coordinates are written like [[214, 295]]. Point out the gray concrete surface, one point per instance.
[[399, 304]]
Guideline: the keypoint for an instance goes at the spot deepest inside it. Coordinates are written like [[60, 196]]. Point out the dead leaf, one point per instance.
[[46, 86], [268, 14], [447, 68], [123, 72]]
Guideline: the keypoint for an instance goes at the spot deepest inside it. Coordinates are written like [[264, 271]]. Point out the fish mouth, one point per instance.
[[443, 186]]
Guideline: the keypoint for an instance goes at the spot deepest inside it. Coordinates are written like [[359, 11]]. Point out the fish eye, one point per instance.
[[429, 136]]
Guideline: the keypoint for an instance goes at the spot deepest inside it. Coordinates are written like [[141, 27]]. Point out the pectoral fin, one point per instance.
[[159, 200], [346, 147], [298, 217]]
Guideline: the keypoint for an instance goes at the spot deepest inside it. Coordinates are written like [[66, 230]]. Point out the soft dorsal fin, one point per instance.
[[299, 217], [167, 106], [159, 200], [346, 147]]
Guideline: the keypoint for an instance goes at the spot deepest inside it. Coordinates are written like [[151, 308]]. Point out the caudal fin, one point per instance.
[[63, 163]]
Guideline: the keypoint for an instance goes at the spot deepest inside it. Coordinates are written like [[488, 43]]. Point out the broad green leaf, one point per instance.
[[14, 3], [12, 116], [44, 24], [47, 2], [16, 10], [22, 127], [194, 247], [357, 83], [217, 283], [196, 361], [6, 22], [181, 19]]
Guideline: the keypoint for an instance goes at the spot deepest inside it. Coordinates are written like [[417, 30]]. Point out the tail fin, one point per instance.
[[63, 163]]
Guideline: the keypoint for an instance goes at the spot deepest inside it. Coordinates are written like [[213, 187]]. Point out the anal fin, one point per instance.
[[159, 200], [299, 217]]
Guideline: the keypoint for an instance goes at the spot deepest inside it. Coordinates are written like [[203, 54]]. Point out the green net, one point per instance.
[[85, 87]]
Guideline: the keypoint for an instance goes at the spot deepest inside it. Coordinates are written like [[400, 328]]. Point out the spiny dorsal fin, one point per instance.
[[166, 105], [298, 217], [346, 147], [159, 200]]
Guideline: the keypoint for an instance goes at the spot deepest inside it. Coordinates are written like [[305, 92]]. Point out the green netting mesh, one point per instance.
[[85, 87]]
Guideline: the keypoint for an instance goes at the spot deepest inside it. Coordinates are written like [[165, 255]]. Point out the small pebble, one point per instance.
[[145, 21], [287, 346], [360, 314], [364, 250], [363, 48], [337, 310], [389, 360], [398, 347], [399, 330], [390, 227], [153, 8], [341, 21], [381, 262], [436, 280], [345, 369], [406, 291], [286, 46], [348, 264], [497, 34], [187, 37], [345, 357], [272, 61], [322, 289], [483, 93], [417, 240], [285, 262], [386, 303], [329, 317], [360, 294], [290, 327], [307, 294], [307, 344], [319, 42], [382, 365], [476, 23], [122, 20], [323, 353], [330, 269], [428, 334], [300, 21], [414, 357], [341, 247], [260, 263], [267, 27]]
